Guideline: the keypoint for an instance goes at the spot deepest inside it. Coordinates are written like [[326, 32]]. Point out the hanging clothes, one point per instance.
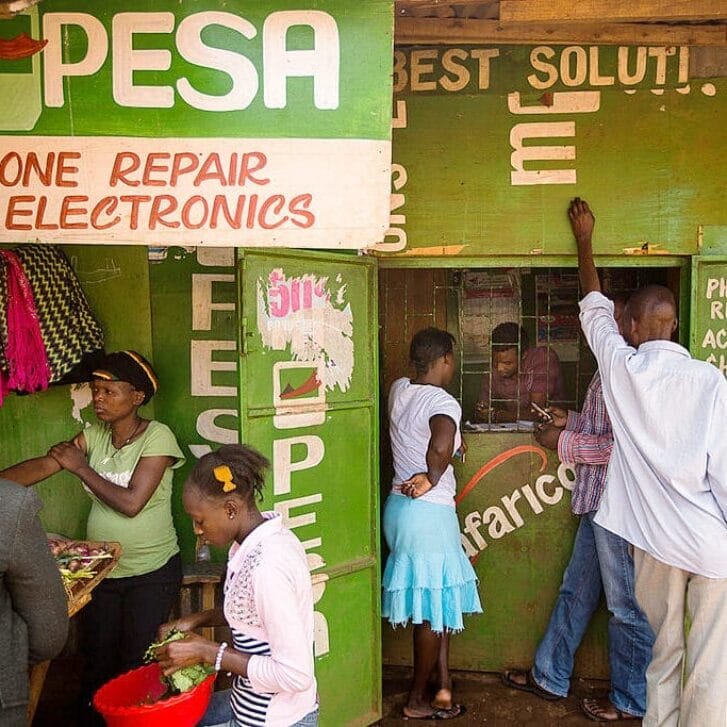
[[72, 336], [25, 366], [70, 330]]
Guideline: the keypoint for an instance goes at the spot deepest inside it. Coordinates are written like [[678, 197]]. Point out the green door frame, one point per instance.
[[330, 500]]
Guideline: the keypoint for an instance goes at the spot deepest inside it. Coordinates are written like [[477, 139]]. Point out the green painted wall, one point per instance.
[[708, 339], [116, 283], [468, 175], [194, 324]]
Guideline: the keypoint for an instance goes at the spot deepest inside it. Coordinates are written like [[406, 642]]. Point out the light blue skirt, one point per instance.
[[427, 575]]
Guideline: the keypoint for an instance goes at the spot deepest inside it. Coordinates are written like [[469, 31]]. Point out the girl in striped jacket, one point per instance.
[[268, 601]]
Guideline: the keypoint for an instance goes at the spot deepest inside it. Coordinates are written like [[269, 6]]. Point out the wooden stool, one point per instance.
[[202, 578]]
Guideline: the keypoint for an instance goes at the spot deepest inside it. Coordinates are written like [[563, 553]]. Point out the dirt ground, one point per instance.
[[488, 702]]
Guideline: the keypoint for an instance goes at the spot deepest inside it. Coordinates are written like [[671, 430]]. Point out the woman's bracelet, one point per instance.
[[218, 658]]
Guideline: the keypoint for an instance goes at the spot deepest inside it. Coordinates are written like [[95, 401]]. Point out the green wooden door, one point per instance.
[[708, 332], [309, 402]]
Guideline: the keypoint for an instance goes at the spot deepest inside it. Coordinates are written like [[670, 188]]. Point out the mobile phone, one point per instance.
[[546, 416]]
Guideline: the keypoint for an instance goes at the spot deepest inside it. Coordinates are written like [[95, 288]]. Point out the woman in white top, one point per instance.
[[428, 579], [268, 600]]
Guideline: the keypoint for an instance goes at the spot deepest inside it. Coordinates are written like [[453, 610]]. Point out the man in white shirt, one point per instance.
[[666, 488]]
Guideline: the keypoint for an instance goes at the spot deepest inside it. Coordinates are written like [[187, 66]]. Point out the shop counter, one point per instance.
[[513, 505]]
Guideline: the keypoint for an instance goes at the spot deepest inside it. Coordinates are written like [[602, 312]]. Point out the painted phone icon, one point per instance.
[[20, 76]]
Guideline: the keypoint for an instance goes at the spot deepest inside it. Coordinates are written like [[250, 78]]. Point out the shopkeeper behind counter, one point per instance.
[[125, 464], [520, 375]]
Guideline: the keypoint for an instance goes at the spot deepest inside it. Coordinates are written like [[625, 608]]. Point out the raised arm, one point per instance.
[[582, 222]]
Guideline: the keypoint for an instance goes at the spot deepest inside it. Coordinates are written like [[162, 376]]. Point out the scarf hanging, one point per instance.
[[25, 353], [72, 336]]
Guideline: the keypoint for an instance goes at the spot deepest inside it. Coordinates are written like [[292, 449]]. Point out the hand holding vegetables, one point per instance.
[[185, 659], [189, 650], [183, 624]]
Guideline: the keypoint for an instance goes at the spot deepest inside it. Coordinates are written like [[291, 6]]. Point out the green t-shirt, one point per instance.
[[148, 539]]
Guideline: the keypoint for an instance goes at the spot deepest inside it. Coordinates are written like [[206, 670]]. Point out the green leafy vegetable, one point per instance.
[[184, 679]]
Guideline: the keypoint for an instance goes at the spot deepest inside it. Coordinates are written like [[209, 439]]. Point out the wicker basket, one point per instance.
[[80, 592]]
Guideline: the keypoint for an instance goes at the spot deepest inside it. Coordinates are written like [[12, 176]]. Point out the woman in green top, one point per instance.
[[125, 463]]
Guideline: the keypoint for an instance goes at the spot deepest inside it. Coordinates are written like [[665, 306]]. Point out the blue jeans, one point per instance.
[[219, 713], [600, 561]]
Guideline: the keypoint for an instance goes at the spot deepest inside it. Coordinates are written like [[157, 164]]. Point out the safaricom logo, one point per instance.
[[266, 71]]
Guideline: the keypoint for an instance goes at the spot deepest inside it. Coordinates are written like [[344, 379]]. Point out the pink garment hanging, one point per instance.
[[25, 353]]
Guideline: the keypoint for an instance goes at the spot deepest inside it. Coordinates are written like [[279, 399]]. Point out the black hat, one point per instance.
[[131, 367]]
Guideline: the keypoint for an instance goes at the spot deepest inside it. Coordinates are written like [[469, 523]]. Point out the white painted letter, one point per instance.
[[241, 70], [521, 153], [543, 495], [202, 367], [202, 305], [283, 464], [484, 56], [540, 65], [624, 75], [297, 521], [127, 59], [322, 62], [208, 429], [567, 475], [472, 523], [55, 70]]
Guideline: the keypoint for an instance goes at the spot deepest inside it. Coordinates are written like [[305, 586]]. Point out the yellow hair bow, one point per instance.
[[224, 475]]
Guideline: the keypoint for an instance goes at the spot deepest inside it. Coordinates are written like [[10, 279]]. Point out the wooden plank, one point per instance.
[[434, 31], [608, 10], [208, 602], [35, 687], [432, 3]]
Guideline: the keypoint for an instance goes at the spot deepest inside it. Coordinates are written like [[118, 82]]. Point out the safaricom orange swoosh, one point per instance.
[[310, 384], [498, 460], [21, 46]]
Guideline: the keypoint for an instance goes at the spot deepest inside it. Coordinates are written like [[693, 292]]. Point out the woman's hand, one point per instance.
[[417, 485], [190, 650], [68, 456], [185, 624]]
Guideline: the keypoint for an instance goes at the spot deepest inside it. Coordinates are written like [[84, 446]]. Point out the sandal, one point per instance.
[[457, 710], [530, 685], [442, 699], [597, 709]]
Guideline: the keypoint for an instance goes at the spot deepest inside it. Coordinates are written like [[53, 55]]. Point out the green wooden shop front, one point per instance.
[[489, 144], [163, 136]]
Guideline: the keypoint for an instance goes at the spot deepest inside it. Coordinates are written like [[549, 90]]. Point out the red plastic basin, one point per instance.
[[119, 701]]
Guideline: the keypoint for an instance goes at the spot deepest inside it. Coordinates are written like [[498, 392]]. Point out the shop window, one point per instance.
[[518, 332]]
